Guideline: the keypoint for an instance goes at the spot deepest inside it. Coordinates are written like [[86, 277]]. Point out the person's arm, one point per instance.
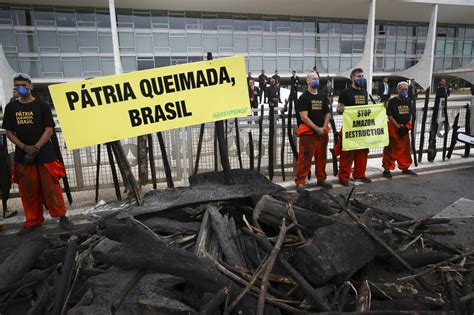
[[47, 134], [30, 150], [327, 117], [309, 123], [394, 122]]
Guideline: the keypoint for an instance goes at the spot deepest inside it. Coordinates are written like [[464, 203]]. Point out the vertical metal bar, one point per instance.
[[76, 154], [97, 174], [151, 158], [114, 171]]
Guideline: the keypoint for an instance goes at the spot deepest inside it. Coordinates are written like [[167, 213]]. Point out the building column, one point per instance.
[[115, 40], [370, 37], [432, 39]]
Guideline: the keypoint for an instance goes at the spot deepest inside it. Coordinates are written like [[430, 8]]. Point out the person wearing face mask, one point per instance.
[[29, 125], [313, 119], [355, 95], [399, 112]]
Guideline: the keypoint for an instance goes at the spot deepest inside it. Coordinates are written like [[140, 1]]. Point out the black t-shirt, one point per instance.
[[316, 106], [400, 109], [28, 122], [353, 97]]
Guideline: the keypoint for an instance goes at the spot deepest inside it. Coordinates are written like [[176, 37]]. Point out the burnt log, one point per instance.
[[270, 211], [334, 254], [141, 249], [315, 201], [227, 244], [21, 259], [64, 281], [419, 259], [168, 226]]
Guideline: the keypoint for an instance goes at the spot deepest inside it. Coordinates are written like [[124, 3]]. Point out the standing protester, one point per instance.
[[413, 94], [273, 93], [37, 171], [444, 90], [277, 79], [315, 70], [295, 82], [355, 95], [262, 84], [384, 91], [249, 76], [313, 119], [399, 112], [253, 95], [329, 92], [472, 89]]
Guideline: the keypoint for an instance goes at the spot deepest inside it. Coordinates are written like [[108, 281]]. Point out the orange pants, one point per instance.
[[312, 146], [39, 185], [359, 157], [398, 150]]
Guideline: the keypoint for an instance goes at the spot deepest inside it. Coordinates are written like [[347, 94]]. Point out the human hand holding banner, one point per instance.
[[364, 127], [127, 105]]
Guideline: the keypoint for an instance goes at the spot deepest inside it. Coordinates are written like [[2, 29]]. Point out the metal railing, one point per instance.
[[182, 146]]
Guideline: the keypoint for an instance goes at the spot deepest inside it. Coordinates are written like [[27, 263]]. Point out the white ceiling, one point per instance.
[[450, 11]]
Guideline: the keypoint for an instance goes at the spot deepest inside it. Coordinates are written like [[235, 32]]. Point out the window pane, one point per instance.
[[145, 63], [209, 22], [283, 64], [323, 46], [358, 46], [124, 18], [255, 63], [209, 43], [47, 38], [21, 16], [346, 46], [68, 42], [177, 21], [334, 45], [105, 43], [296, 45], [103, 18], [241, 45], [65, 18], [240, 24], [107, 66], [126, 40], [161, 40], [7, 38], [269, 64], [144, 44], [467, 48], [255, 41], [225, 41], [296, 65], [178, 44], [162, 62], [90, 64], [27, 42], [32, 67], [159, 19], [194, 58], [309, 42], [333, 64], [194, 40], [390, 47], [129, 63], [88, 39], [142, 20], [269, 44], [449, 47], [72, 67], [283, 42], [346, 28], [296, 26], [51, 64], [85, 17]]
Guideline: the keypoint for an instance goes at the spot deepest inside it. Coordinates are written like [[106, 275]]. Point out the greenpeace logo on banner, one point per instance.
[[364, 127], [142, 102]]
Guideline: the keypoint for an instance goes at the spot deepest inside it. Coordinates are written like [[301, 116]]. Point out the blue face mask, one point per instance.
[[23, 91], [403, 94], [315, 84], [360, 81]]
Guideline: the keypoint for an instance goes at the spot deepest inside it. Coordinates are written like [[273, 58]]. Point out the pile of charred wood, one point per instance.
[[245, 248]]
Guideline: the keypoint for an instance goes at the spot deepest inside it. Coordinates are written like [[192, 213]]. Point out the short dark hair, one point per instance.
[[355, 71]]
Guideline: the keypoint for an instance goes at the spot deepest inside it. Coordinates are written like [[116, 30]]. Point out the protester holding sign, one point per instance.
[[399, 112], [29, 125], [356, 94], [313, 119]]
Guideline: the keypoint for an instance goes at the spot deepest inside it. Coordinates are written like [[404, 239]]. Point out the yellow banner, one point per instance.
[[127, 105], [364, 127]]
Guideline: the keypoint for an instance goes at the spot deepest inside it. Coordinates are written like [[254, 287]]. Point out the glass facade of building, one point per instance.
[[67, 42]]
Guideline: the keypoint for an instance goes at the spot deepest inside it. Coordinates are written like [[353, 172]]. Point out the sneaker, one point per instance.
[[344, 182], [299, 188], [409, 172], [364, 180], [324, 185], [25, 230], [387, 174], [65, 223]]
